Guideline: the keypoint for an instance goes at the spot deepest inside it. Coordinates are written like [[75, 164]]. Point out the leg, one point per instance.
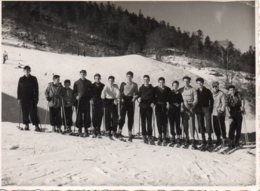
[[158, 114], [216, 126], [25, 111], [34, 114], [185, 122], [201, 125], [87, 118], [122, 116], [238, 128], [223, 126], [143, 113], [130, 116], [171, 121], [207, 117], [99, 117], [149, 121], [114, 117], [232, 129], [52, 116]]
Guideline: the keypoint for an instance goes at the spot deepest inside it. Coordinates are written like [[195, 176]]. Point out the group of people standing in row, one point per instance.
[[174, 105]]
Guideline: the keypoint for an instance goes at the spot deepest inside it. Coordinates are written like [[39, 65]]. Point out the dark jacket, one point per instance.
[[161, 96], [234, 104], [175, 97], [28, 89], [205, 99], [54, 94], [97, 90], [147, 95], [68, 97], [83, 89]]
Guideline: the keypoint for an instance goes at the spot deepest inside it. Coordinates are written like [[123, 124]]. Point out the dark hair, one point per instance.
[[186, 77], [175, 82], [161, 78], [111, 77], [55, 77], [231, 87], [200, 80], [146, 76], [27, 68], [130, 73], [66, 81], [83, 71], [97, 75]]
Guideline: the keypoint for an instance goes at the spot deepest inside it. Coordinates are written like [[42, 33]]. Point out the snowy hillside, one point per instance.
[[31, 158]]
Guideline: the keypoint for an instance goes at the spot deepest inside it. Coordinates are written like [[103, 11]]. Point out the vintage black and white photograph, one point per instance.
[[121, 93]]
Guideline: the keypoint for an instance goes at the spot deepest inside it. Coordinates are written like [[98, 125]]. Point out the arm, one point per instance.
[[36, 91], [47, 93], [103, 94], [195, 94]]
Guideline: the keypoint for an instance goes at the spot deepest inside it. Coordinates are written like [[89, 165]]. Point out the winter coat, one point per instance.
[[128, 90], [161, 96], [110, 92], [219, 105], [205, 99], [68, 97], [54, 94], [97, 90], [234, 104], [147, 95], [28, 89], [83, 89]]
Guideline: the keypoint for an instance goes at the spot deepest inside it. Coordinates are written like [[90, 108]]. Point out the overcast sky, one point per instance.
[[220, 20]]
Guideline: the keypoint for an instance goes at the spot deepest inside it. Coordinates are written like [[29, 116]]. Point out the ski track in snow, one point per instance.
[[33, 159], [57, 160]]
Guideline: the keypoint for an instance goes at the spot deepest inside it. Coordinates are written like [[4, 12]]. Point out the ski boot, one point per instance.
[[130, 139], [204, 146], [37, 128], [210, 146], [186, 144], [159, 143], [172, 142], [194, 146], [145, 139], [54, 130], [178, 143], [26, 128], [164, 143], [94, 136], [59, 129], [151, 141]]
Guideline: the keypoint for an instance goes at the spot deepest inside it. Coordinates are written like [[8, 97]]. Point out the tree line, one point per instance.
[[88, 28]]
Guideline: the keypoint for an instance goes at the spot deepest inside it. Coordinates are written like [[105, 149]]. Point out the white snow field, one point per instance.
[[49, 159]]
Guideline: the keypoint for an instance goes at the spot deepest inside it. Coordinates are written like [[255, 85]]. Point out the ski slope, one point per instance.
[[31, 158]]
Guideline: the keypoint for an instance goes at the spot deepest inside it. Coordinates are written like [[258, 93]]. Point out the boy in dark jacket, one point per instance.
[[83, 91], [28, 96], [146, 100], [174, 112], [161, 96], [204, 110], [97, 105], [68, 101], [236, 108], [53, 94]]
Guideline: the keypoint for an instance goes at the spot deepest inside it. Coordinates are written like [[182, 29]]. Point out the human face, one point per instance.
[[129, 78], [231, 91], [200, 84], [56, 81], [27, 72], [186, 82], [67, 85], [97, 79], [161, 83], [111, 82], [146, 81], [215, 88], [83, 75], [175, 86]]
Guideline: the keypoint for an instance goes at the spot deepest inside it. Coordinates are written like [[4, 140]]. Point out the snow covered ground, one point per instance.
[[38, 159], [31, 158]]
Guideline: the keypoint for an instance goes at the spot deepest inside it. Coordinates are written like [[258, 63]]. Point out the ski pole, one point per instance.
[[64, 115]]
